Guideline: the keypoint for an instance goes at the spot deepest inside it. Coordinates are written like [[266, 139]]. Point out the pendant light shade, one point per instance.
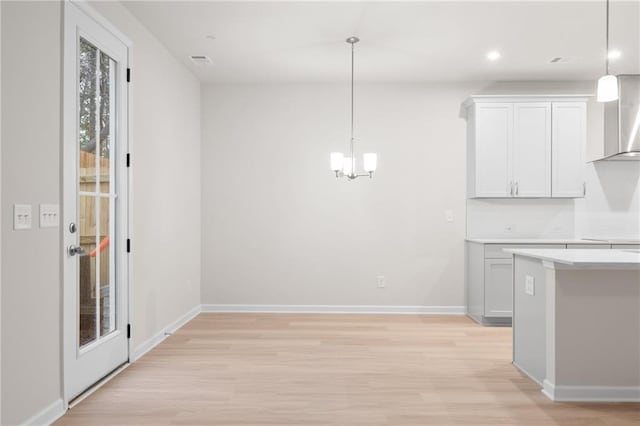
[[336, 161], [370, 162], [348, 166], [607, 88]]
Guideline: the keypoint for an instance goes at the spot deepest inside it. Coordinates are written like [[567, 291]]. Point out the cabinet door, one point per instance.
[[532, 149], [569, 139], [493, 138], [498, 288]]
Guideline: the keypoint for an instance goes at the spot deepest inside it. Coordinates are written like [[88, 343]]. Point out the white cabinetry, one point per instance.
[[569, 130], [494, 141], [498, 292], [489, 281], [526, 147], [532, 149]]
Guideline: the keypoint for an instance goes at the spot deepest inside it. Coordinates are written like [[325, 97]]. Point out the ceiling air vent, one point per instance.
[[200, 59]]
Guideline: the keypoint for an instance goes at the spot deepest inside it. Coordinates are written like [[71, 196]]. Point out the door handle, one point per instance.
[[75, 250]]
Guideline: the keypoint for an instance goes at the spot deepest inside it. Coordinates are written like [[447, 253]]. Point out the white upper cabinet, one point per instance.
[[525, 147], [569, 131], [494, 135], [532, 149]]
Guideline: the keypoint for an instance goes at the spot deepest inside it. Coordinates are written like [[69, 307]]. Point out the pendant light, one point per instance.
[[346, 166], [607, 84]]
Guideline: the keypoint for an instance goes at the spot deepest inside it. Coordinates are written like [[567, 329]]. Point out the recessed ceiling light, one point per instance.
[[614, 54], [494, 55]]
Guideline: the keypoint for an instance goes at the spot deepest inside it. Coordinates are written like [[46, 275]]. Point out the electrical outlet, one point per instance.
[[529, 285], [21, 216], [382, 281], [448, 214]]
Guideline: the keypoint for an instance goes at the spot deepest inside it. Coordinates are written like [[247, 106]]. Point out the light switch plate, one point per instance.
[[22, 216], [448, 214], [529, 285], [49, 215]]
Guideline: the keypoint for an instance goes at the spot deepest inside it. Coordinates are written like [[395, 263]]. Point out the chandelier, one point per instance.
[[346, 166]]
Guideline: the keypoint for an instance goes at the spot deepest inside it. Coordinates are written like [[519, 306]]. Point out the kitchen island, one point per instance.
[[576, 322]]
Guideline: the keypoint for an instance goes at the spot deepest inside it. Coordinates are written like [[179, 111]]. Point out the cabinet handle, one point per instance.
[[516, 189], [511, 188], [584, 189]]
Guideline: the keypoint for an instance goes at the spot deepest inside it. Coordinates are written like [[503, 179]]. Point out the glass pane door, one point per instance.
[[96, 194]]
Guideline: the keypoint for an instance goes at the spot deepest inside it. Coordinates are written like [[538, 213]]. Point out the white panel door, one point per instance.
[[569, 139], [532, 149], [493, 139]]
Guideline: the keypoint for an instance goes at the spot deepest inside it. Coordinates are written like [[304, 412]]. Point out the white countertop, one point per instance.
[[547, 241], [581, 257]]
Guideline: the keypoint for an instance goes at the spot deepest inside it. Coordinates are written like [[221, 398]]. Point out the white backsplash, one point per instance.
[[520, 218], [611, 208]]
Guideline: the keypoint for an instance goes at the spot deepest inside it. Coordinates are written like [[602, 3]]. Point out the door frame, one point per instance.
[[123, 172]]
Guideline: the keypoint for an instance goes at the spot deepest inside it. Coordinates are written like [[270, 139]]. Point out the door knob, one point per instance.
[[75, 250]]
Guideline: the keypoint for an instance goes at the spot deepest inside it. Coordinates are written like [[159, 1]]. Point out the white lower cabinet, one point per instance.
[[498, 292], [489, 281]]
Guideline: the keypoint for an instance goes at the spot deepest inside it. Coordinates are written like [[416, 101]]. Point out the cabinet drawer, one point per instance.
[[589, 246], [626, 246], [495, 251]]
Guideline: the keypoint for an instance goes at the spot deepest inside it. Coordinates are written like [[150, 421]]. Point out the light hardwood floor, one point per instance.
[[307, 369]]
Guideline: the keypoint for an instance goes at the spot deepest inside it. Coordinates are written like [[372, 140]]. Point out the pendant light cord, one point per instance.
[[607, 42]]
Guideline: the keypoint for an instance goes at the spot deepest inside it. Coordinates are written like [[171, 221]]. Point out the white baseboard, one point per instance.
[[336, 309], [526, 373], [155, 340], [48, 415], [591, 393]]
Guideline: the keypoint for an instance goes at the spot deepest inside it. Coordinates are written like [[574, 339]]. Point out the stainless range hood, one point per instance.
[[622, 122]]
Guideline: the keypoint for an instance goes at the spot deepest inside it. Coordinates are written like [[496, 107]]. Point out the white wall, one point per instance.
[[278, 228], [166, 181], [166, 205], [31, 288]]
